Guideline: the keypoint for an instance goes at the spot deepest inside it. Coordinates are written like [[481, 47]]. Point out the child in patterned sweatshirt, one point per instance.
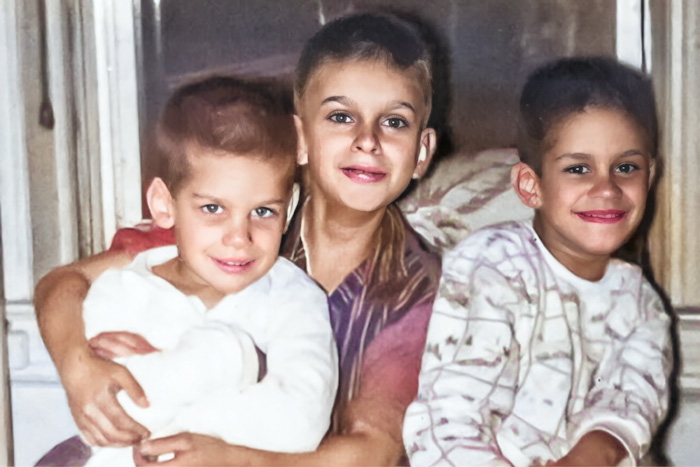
[[543, 348]]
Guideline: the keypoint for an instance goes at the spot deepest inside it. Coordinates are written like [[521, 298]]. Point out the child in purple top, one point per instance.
[[363, 98]]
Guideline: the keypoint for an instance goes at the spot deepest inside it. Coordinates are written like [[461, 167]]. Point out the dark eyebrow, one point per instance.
[[584, 156], [407, 105], [633, 152], [343, 100], [573, 155]]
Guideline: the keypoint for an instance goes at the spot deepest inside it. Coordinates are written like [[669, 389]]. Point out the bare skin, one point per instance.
[[94, 406], [377, 128], [337, 242], [364, 447], [594, 448], [108, 425]]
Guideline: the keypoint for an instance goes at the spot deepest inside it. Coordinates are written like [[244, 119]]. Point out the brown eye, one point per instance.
[[627, 168], [577, 169], [395, 122]]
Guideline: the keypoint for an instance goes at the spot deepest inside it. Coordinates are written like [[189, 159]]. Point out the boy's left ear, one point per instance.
[[526, 184], [428, 144], [160, 203]]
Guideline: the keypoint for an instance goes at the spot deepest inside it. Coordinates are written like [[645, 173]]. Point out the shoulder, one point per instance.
[[650, 299], [138, 272], [636, 296], [287, 278], [495, 243]]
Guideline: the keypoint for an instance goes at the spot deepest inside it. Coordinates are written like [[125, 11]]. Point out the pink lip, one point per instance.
[[607, 216], [233, 265], [363, 174]]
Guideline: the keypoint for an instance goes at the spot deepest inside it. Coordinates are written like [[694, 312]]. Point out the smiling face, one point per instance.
[[229, 216], [360, 130], [593, 188]]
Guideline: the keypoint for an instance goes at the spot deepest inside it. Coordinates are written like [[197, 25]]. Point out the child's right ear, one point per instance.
[[526, 184], [161, 204], [302, 149]]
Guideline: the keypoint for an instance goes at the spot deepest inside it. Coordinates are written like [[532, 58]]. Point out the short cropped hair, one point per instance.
[[569, 86], [224, 116], [367, 36]]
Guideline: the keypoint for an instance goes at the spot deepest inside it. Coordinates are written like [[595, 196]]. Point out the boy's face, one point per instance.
[[229, 219], [360, 131], [594, 185]]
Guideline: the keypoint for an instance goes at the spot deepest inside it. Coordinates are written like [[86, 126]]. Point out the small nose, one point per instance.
[[367, 140], [606, 187], [238, 233]]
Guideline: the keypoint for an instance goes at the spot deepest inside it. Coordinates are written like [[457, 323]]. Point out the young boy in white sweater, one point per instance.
[[221, 296], [543, 348]]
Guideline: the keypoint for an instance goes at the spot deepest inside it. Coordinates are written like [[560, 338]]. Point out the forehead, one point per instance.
[[218, 169], [372, 79], [598, 130]]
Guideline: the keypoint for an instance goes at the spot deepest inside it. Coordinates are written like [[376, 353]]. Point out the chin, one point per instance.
[[365, 203], [602, 248]]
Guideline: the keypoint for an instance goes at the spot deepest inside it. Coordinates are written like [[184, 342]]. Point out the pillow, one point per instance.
[[463, 194]]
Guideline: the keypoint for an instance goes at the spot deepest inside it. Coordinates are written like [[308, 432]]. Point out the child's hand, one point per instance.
[[594, 448], [191, 449], [110, 345], [92, 384]]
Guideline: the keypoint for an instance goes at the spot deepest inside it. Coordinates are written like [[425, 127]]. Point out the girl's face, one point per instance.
[[360, 132], [594, 185]]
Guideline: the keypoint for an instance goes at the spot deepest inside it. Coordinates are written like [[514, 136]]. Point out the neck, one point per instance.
[[589, 267], [175, 272], [337, 239]]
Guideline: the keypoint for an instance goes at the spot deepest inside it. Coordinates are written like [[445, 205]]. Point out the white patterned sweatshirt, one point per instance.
[[523, 357], [204, 378]]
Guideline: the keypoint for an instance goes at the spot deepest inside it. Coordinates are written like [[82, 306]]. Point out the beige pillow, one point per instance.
[[463, 194]]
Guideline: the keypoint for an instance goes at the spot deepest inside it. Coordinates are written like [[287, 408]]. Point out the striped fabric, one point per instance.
[[370, 301], [379, 315]]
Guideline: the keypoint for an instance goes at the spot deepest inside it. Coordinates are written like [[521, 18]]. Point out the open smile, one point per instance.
[[233, 265], [607, 216], [362, 174]]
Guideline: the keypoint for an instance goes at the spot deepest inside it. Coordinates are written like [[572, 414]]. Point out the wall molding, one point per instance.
[[689, 336], [675, 245], [15, 223], [117, 103]]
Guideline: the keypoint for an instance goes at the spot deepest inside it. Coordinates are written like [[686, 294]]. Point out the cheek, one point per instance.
[[638, 193], [269, 237], [197, 234]]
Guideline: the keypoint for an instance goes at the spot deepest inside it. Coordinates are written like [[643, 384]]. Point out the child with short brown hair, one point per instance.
[[209, 303]]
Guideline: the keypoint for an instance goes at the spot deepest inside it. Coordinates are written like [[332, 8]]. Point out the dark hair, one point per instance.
[[226, 116], [367, 36], [571, 85]]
